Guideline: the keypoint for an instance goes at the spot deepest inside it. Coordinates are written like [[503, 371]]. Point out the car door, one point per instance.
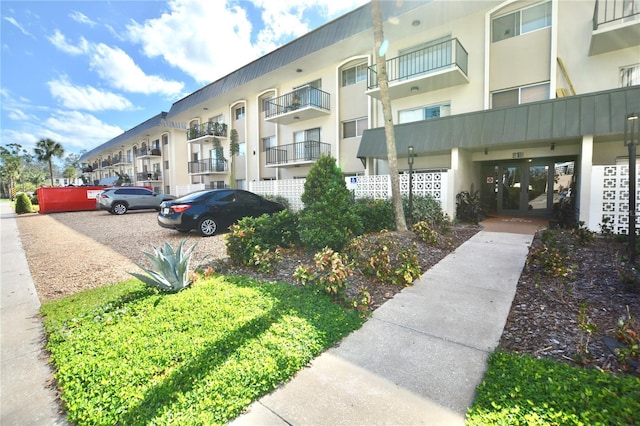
[[248, 204], [222, 207], [143, 198]]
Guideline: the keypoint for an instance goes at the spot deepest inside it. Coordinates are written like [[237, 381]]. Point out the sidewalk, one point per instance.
[[420, 357], [417, 360], [25, 398]]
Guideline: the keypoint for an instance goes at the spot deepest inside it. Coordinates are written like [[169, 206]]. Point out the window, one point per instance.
[[166, 164], [165, 139], [354, 74], [520, 95], [630, 75], [242, 148], [354, 128], [268, 142], [239, 113], [521, 22], [424, 113]]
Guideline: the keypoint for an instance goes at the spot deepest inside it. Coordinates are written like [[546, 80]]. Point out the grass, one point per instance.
[[522, 390], [127, 354]]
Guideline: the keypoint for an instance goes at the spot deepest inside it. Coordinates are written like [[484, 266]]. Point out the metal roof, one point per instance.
[[327, 35], [599, 114], [144, 128]]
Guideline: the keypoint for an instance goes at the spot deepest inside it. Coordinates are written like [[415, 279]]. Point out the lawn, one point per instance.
[[126, 354]]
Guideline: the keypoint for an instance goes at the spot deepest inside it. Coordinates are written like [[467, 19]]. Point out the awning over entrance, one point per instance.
[[598, 114]]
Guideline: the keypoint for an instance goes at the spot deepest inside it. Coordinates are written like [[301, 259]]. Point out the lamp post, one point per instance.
[[410, 160], [631, 139]]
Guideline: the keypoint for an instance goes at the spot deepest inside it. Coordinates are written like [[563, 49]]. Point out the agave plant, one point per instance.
[[171, 268]]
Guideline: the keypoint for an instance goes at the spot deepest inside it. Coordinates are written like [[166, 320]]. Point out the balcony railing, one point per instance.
[[306, 151], [148, 176], [121, 159], [607, 11], [301, 104], [144, 151], [422, 62], [208, 128], [209, 165], [616, 24]]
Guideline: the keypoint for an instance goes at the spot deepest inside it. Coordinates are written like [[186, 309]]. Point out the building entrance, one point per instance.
[[527, 187]]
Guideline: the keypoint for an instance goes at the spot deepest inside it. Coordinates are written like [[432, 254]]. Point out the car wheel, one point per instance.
[[119, 208], [207, 227]]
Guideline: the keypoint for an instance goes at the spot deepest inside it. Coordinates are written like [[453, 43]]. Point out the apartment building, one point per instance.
[[526, 100]]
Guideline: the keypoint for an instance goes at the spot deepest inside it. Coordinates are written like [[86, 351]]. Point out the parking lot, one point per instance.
[[136, 232]]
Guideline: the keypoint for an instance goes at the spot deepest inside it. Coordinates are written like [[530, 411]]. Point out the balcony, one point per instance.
[[435, 67], [148, 177], [302, 104], [148, 152], [121, 160], [296, 153], [208, 128], [207, 166], [616, 25]]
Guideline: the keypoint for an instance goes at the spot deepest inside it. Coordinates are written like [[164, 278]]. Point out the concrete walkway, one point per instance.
[[418, 360], [25, 395]]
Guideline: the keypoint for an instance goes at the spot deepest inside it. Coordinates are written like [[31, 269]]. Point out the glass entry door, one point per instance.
[[530, 187]]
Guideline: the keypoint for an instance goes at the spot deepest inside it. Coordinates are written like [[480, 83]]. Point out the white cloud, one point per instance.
[[16, 24], [208, 40], [76, 130], [116, 67], [81, 18], [59, 41], [87, 97], [204, 39]]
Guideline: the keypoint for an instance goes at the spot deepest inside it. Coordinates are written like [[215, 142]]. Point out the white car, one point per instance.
[[120, 199]]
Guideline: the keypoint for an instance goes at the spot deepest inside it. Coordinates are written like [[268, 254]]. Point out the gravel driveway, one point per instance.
[[75, 251], [136, 232]]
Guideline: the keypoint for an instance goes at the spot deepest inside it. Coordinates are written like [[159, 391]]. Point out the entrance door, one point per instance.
[[529, 187]]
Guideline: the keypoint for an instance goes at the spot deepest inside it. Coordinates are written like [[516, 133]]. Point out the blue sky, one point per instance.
[[82, 72]]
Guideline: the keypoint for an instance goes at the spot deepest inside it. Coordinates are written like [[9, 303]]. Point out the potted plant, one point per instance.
[[220, 129]]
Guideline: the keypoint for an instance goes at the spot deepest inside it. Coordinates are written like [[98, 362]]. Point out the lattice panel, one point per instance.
[[375, 187], [615, 198], [423, 184]]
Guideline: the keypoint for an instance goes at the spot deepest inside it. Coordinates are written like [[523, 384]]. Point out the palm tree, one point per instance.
[[392, 156], [46, 149]]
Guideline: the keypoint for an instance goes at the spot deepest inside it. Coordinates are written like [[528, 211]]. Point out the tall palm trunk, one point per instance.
[[392, 157]]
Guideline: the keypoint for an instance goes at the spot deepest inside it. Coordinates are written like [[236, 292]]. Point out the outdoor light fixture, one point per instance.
[[553, 147], [299, 70], [415, 23], [414, 89], [631, 139], [410, 161]]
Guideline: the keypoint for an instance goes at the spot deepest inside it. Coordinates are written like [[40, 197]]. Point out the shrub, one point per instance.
[[279, 199], [267, 232], [426, 233], [375, 215], [328, 218], [425, 208], [330, 273], [23, 204], [382, 257], [171, 273], [468, 206]]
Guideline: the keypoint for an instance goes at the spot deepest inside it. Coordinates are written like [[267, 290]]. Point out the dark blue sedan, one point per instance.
[[211, 210]]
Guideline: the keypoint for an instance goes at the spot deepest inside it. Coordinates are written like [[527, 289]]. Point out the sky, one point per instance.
[[82, 72]]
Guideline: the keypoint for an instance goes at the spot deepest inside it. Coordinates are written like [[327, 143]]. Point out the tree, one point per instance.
[[70, 173], [45, 150], [234, 149], [392, 157], [328, 218], [11, 167]]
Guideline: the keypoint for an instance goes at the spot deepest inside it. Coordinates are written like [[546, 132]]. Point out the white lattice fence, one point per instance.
[[291, 189], [376, 187], [615, 198]]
